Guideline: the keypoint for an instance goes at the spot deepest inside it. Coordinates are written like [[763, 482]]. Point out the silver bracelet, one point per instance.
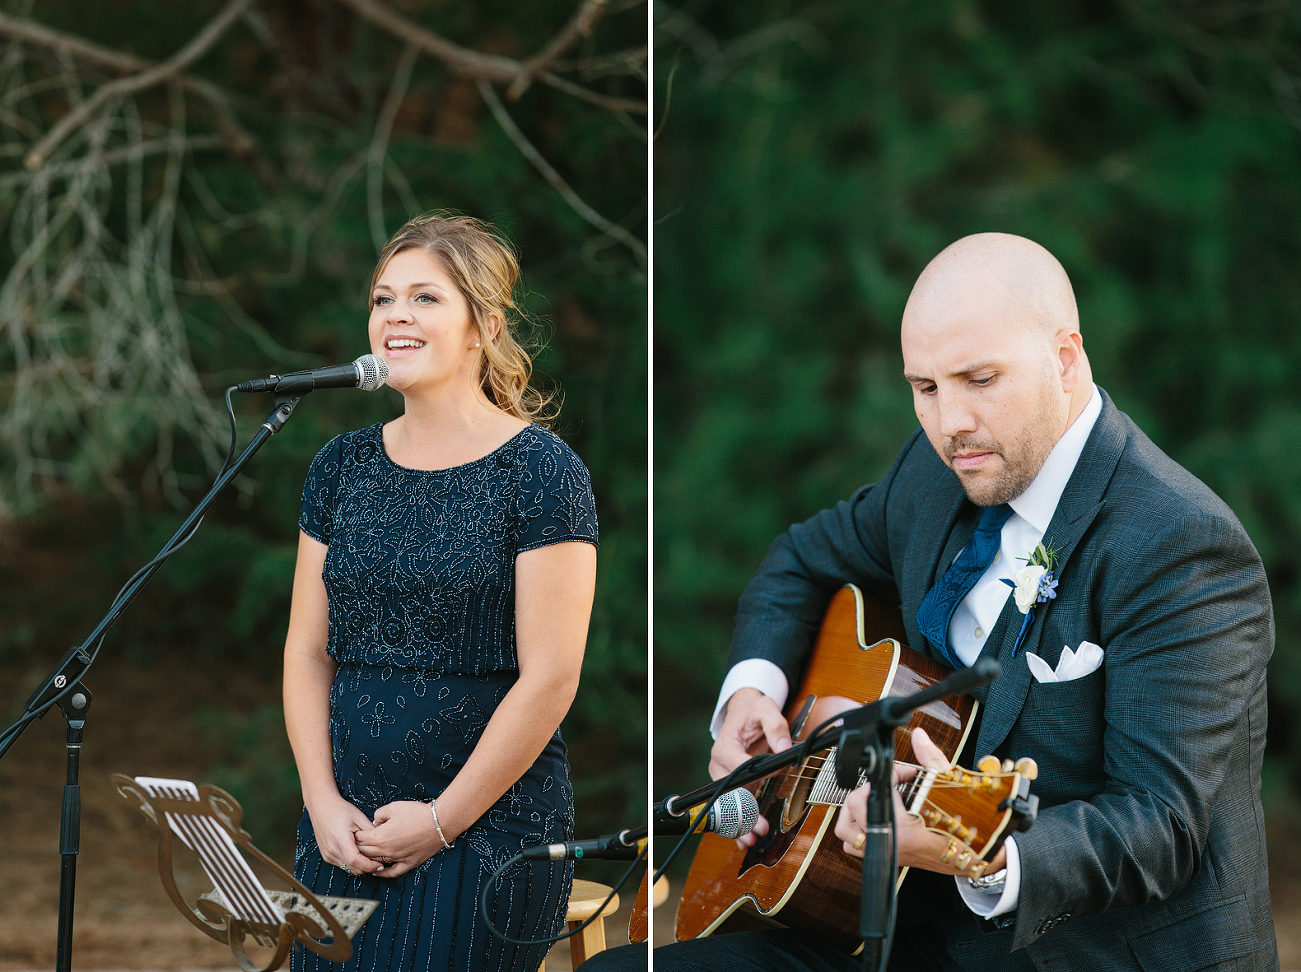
[[447, 844]]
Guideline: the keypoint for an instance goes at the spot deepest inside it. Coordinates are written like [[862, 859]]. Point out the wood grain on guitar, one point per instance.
[[798, 873]]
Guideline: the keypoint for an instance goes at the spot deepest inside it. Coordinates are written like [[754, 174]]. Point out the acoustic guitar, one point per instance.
[[798, 874]]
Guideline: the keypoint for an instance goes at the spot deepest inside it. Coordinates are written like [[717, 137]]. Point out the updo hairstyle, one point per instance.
[[485, 268]]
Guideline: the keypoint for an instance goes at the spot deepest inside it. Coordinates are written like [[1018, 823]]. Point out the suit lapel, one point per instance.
[[1080, 503]]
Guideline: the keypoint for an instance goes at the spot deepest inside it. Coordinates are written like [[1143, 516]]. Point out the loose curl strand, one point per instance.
[[485, 266]]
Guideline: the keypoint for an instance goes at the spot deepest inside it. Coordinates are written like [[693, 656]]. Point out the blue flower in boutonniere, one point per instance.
[[1033, 584]]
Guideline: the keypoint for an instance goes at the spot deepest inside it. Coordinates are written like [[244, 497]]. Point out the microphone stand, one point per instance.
[[870, 749], [867, 745], [63, 687]]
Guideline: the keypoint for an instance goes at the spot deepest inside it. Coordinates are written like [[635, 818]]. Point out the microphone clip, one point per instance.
[[285, 403]]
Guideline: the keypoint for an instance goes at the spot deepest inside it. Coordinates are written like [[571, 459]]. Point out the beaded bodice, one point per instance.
[[420, 570]]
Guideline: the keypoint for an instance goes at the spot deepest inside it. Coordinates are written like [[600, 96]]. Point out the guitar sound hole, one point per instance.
[[797, 802]]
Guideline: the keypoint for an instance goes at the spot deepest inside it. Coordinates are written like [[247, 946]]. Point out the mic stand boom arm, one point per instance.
[[60, 687]]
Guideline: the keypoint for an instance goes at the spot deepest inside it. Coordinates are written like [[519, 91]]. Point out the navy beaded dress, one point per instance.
[[420, 574]]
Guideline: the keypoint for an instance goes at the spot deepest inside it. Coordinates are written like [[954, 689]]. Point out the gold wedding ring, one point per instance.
[[385, 861], [860, 840]]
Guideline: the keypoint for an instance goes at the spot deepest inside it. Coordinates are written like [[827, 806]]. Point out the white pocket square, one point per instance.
[[1084, 660]]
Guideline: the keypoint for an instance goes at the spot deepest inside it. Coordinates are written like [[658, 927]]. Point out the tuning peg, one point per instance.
[[1027, 767], [988, 765], [1007, 766]]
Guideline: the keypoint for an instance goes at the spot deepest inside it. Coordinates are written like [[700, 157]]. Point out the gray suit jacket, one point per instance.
[[1149, 849]]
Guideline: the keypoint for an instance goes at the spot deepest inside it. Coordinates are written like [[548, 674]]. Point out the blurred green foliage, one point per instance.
[[812, 160], [270, 265]]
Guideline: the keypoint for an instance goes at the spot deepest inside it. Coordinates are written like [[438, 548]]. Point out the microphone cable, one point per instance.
[[124, 596], [492, 881]]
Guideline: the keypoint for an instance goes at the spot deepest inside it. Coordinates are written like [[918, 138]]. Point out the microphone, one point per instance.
[[731, 815], [623, 846], [367, 373]]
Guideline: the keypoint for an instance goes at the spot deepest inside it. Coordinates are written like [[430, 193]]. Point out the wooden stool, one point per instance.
[[583, 902]]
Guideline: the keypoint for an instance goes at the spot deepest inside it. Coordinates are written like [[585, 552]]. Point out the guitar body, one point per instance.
[[798, 874]]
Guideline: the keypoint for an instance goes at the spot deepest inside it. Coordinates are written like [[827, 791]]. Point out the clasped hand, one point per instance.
[[402, 834]]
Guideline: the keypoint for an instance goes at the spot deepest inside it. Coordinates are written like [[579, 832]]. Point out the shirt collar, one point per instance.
[[1039, 501]]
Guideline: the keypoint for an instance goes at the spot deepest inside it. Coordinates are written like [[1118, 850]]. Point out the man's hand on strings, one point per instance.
[[754, 724], [918, 847]]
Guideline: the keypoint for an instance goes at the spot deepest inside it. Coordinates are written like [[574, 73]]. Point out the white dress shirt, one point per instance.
[[973, 618]]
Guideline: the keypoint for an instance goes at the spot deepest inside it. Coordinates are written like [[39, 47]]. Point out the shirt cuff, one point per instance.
[[755, 673], [986, 904]]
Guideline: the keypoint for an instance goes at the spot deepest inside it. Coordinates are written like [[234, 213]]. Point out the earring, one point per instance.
[[476, 344]]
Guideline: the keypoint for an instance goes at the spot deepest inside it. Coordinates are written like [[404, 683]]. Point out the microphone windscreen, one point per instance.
[[372, 372], [735, 813]]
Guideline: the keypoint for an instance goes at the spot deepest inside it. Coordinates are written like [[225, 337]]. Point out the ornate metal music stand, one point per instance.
[[207, 820]]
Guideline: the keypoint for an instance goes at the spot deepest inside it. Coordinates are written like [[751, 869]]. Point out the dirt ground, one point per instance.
[[140, 724]]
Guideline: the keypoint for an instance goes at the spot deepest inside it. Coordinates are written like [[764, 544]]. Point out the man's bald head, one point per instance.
[[1033, 282], [992, 348]]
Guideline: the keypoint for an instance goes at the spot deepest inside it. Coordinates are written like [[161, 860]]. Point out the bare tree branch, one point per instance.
[[34, 33], [552, 176], [128, 153], [631, 61], [379, 144], [605, 101], [481, 67], [461, 59], [237, 140], [584, 19], [137, 82]]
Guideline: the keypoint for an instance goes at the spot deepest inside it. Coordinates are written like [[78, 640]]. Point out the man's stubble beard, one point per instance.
[[1020, 466]]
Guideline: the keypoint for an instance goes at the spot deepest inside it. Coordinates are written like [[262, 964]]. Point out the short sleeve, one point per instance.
[[555, 496], [317, 516]]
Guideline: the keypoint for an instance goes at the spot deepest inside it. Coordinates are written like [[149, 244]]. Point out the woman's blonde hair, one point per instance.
[[485, 268]]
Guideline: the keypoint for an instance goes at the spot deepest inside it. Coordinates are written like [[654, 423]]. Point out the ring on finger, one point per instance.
[[385, 861], [860, 840]]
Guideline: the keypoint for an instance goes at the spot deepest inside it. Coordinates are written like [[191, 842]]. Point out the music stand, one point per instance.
[[207, 820]]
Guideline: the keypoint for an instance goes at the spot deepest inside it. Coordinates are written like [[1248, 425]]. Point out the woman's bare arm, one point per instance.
[[309, 673]]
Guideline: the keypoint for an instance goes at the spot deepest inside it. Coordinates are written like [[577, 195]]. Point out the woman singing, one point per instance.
[[445, 573]]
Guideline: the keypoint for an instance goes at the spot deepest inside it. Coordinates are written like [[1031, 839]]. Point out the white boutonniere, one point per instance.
[[1033, 584]]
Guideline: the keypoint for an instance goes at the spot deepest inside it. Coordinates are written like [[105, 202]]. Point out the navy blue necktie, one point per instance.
[[942, 600]]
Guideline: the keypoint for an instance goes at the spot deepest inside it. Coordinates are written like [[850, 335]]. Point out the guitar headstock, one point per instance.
[[975, 809]]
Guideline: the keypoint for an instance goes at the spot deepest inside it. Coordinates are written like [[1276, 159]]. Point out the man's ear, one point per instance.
[[1070, 359]]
